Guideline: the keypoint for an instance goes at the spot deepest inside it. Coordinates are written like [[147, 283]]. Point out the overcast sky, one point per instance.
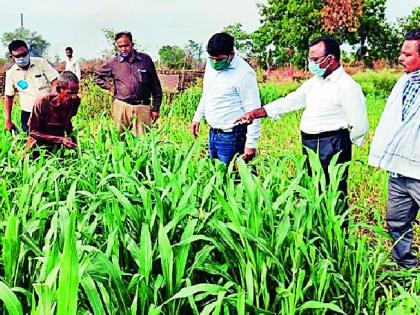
[[79, 23]]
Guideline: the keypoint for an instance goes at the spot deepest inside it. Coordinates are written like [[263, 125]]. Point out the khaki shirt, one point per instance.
[[73, 66], [38, 78]]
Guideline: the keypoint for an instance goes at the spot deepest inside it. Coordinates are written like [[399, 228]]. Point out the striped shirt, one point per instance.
[[410, 93]]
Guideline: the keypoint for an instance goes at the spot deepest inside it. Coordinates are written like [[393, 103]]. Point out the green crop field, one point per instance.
[[150, 225]]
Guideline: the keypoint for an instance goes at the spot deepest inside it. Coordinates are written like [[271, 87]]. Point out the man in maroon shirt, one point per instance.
[[134, 83], [50, 120]]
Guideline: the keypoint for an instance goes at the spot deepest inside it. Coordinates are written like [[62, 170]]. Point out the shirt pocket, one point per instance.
[[39, 81], [144, 76]]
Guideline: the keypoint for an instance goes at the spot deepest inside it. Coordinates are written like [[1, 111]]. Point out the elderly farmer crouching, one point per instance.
[[50, 121]]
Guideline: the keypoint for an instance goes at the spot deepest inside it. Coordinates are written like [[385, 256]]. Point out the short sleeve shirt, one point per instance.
[[30, 83]]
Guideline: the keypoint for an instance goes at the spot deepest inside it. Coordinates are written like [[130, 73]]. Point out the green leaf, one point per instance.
[[69, 272], [10, 300]]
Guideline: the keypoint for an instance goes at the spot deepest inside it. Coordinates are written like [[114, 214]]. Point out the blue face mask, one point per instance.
[[22, 61], [316, 69], [126, 56]]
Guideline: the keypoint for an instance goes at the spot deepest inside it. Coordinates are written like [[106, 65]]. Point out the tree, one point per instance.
[[243, 40], [172, 57], [288, 24], [375, 36], [37, 45], [338, 16], [411, 22], [193, 53]]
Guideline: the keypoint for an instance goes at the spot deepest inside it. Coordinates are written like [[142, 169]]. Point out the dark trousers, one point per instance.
[[224, 145], [403, 206], [328, 144], [24, 118]]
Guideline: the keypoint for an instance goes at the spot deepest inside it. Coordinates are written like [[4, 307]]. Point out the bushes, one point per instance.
[[376, 83]]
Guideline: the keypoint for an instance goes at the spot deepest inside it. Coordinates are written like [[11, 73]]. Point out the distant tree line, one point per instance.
[[287, 26]]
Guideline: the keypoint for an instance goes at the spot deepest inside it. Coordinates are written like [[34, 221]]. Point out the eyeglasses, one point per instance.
[[22, 55], [317, 59]]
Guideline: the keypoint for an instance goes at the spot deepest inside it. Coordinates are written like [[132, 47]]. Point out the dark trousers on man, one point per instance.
[[403, 206], [24, 118], [224, 145], [327, 144]]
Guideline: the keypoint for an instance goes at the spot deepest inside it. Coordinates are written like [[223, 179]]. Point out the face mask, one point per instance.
[[126, 56], [22, 61], [316, 69], [220, 65]]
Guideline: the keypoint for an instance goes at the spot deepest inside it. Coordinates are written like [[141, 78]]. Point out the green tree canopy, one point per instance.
[[243, 40], [38, 46], [411, 22], [288, 24], [172, 57]]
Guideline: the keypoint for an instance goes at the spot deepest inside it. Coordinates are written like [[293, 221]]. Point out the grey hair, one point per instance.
[[65, 78]]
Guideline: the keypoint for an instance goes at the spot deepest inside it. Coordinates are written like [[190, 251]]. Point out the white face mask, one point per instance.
[[22, 61]]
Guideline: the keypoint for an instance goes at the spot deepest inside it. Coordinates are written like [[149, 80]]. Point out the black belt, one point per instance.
[[234, 129], [326, 134], [137, 102]]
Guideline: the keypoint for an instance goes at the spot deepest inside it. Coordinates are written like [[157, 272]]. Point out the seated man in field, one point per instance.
[[50, 121]]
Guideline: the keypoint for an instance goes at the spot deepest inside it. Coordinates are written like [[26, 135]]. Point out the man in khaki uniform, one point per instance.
[[29, 77], [135, 82]]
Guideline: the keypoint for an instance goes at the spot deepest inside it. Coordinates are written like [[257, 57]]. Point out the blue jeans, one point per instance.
[[224, 145], [24, 118]]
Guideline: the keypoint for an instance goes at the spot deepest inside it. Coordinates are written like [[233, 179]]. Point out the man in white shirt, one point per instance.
[[72, 64], [334, 113], [29, 77], [396, 149], [230, 89]]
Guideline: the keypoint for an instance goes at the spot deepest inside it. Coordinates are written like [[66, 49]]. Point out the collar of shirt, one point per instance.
[[31, 65], [234, 63], [335, 75], [414, 77], [136, 56]]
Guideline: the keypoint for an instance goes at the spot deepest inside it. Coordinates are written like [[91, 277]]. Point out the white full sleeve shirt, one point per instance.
[[331, 103], [227, 95]]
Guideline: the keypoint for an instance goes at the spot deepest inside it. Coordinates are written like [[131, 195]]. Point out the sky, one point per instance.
[[153, 23]]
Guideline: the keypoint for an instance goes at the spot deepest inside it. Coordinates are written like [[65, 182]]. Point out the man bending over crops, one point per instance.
[[229, 89], [29, 77], [396, 149], [134, 82], [334, 106], [50, 121]]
